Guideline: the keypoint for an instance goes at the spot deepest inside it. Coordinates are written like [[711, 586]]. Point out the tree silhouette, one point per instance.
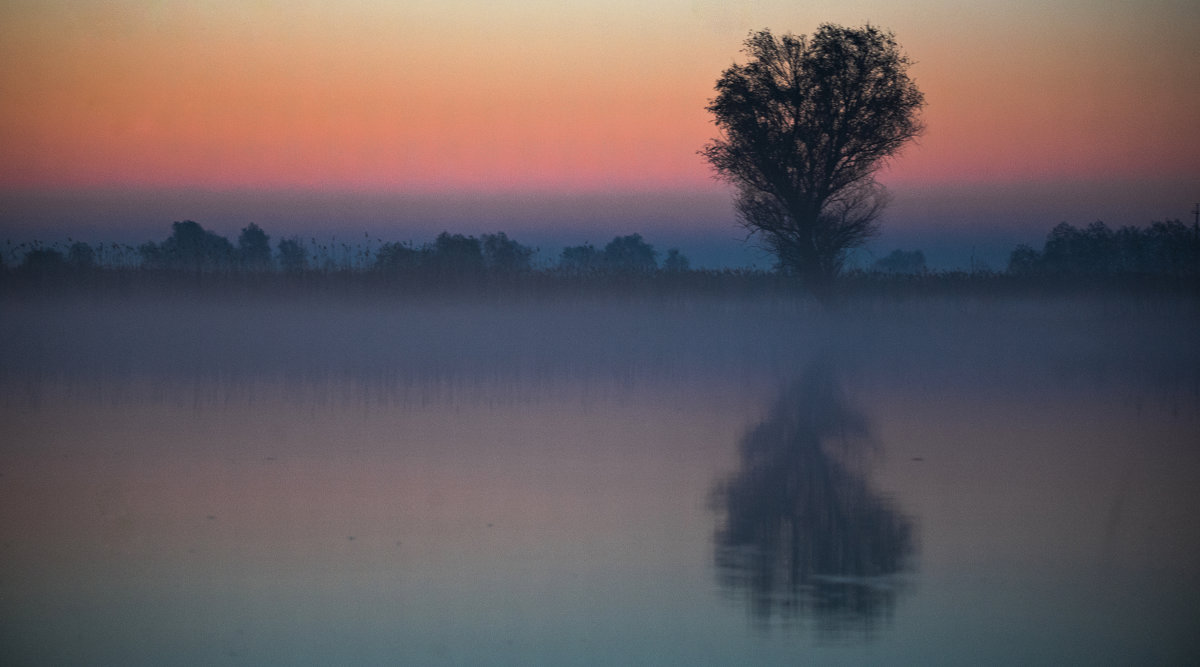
[[504, 255], [397, 257], [254, 248], [805, 124], [1173, 249], [42, 261], [630, 254], [81, 256], [190, 247], [1023, 260], [455, 256]]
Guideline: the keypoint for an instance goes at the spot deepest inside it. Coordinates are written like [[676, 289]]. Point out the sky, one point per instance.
[[566, 120]]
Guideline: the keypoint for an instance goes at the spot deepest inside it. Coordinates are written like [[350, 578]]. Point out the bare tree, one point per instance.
[[805, 124]]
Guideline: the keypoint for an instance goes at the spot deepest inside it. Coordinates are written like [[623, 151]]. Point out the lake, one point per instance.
[[322, 479]]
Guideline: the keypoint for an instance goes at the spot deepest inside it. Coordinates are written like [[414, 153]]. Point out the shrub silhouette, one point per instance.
[[676, 262], [292, 256], [579, 260], [899, 261]]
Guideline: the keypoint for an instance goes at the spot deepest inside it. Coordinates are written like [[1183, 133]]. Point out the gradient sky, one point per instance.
[[587, 103]]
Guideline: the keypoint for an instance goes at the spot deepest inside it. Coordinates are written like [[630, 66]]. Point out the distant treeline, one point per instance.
[[191, 248], [1168, 248], [1162, 251]]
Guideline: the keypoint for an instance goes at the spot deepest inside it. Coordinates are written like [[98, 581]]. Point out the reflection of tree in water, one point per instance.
[[804, 536]]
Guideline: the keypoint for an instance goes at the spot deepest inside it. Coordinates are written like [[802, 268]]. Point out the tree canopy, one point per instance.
[[805, 123]]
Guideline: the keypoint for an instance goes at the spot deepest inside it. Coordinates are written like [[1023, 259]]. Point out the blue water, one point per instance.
[[598, 481]]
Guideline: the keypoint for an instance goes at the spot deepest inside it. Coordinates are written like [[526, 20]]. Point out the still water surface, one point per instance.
[[699, 482]]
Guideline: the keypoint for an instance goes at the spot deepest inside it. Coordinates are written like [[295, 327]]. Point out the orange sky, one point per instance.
[[585, 95], [567, 120]]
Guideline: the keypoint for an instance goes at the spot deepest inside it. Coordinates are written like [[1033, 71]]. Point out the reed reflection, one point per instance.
[[802, 535]]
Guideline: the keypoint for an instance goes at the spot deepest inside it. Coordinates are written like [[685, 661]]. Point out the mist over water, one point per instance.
[[595, 479]]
